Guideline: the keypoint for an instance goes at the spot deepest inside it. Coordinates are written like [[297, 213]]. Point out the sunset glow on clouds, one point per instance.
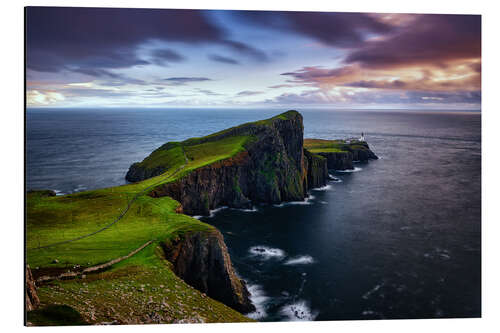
[[97, 57]]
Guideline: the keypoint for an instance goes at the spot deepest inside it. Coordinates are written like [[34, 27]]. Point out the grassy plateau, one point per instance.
[[331, 146]]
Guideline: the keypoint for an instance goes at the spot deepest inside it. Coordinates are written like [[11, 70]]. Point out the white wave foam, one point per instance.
[[216, 210], [356, 169], [259, 299], [373, 290], [307, 201], [298, 311], [59, 192], [334, 179], [372, 313], [266, 252], [246, 210], [300, 260], [438, 253], [323, 188]]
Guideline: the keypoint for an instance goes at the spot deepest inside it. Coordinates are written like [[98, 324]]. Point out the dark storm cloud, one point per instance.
[[224, 60], [184, 80], [281, 86], [119, 79], [396, 84], [164, 56], [429, 39], [246, 49], [312, 73], [334, 29], [208, 92], [248, 93], [71, 38]]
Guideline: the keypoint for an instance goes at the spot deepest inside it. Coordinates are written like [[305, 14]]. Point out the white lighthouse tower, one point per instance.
[[362, 138]]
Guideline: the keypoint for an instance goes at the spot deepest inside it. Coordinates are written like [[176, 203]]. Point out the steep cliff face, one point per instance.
[[269, 170], [201, 259], [340, 154], [362, 152], [317, 169], [338, 160]]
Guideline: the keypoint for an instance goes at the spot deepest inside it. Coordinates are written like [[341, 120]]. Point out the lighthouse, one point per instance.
[[362, 138]]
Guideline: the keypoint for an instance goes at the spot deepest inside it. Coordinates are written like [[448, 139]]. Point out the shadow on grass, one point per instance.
[[55, 315]]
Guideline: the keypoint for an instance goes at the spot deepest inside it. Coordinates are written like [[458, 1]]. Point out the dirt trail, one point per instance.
[[93, 269]]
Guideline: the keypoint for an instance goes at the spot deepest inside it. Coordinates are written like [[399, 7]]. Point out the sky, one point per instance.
[[112, 57]]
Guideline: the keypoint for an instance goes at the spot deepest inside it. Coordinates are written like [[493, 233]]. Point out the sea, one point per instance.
[[398, 237]]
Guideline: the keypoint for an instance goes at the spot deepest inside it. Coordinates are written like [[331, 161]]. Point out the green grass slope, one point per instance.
[[86, 230], [330, 146]]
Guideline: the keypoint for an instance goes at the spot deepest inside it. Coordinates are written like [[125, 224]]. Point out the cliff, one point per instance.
[[338, 160], [267, 167], [341, 154], [317, 169], [201, 259]]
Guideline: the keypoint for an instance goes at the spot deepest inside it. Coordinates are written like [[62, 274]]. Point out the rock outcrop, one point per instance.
[[343, 160], [338, 160], [201, 259], [317, 169], [32, 300], [362, 152]]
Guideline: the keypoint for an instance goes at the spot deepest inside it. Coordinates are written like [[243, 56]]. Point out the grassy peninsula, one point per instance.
[[81, 230]]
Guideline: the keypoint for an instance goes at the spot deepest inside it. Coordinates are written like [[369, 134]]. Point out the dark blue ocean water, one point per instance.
[[398, 238]]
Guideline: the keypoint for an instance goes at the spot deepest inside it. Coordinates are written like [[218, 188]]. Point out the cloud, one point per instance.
[[333, 29], [224, 60], [119, 79], [346, 96], [184, 80], [208, 92], [458, 97], [394, 84], [248, 93], [72, 38], [97, 92], [305, 98], [429, 39], [456, 75], [246, 49], [164, 56], [315, 73], [38, 98], [421, 59], [281, 86]]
